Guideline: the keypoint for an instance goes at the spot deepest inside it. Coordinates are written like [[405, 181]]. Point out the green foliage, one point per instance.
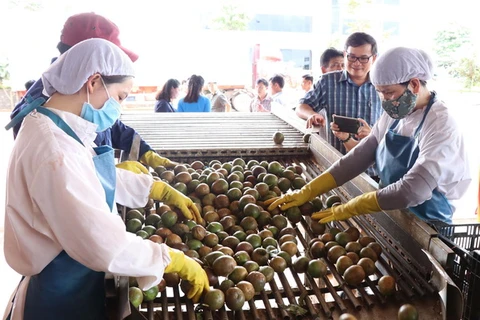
[[456, 54], [27, 5], [4, 73], [448, 42], [468, 68], [358, 25], [231, 18]]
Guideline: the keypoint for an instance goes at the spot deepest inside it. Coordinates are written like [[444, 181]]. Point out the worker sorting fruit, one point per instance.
[[416, 146], [61, 230]]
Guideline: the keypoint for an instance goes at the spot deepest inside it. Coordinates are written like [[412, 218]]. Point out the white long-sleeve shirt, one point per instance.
[[442, 160], [55, 202]]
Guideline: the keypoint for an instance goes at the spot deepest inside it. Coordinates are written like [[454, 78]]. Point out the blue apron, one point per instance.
[[66, 289], [396, 155]]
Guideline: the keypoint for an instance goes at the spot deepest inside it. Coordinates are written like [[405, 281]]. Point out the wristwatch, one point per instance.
[[346, 140]]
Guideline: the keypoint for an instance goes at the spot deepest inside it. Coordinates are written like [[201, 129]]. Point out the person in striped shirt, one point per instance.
[[346, 93]]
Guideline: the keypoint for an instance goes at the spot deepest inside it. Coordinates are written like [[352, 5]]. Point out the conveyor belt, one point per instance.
[[224, 136], [216, 135]]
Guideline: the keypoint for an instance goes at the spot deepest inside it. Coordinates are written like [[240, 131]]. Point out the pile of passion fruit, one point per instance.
[[241, 245]]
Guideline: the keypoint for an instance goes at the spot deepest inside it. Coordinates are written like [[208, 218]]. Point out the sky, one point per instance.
[[163, 31]]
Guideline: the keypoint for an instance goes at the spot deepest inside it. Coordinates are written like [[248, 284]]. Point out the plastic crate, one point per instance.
[[464, 240]]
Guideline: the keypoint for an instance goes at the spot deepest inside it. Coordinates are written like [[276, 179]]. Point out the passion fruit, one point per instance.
[[279, 221], [306, 137], [257, 279], [316, 268], [386, 285], [407, 312], [214, 298], [343, 263], [268, 272], [226, 284], [354, 275], [278, 137], [260, 256], [336, 252], [238, 274], [352, 255], [234, 298], [251, 266], [289, 247], [368, 252], [294, 215], [245, 246], [224, 265], [241, 257], [354, 233], [317, 249], [364, 241], [331, 200], [368, 265], [342, 238], [376, 247], [300, 265], [247, 289], [135, 295], [278, 264], [353, 246]]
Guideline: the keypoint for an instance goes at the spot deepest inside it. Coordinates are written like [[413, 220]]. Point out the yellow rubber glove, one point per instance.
[[154, 160], [188, 269], [134, 166], [163, 192], [321, 184], [364, 204]]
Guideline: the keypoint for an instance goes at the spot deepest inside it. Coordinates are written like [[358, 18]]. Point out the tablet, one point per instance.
[[346, 124]]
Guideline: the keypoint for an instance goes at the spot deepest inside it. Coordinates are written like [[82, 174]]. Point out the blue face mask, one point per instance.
[[104, 117], [401, 107]]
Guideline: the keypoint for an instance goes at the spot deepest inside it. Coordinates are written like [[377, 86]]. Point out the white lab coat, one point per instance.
[[55, 202]]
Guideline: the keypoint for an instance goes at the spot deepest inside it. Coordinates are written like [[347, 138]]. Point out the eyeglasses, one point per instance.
[[336, 65], [362, 59]]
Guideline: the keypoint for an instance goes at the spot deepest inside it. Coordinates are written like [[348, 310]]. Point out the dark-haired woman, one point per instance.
[[164, 97], [64, 254], [194, 101]]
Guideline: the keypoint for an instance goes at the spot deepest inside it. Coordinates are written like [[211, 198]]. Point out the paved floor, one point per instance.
[[467, 111]]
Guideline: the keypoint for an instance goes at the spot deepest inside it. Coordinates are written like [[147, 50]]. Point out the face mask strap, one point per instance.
[[108, 93]]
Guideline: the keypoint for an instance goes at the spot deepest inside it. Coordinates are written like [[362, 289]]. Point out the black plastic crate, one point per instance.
[[464, 240]]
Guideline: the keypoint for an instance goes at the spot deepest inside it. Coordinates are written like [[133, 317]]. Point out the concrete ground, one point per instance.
[[466, 108]]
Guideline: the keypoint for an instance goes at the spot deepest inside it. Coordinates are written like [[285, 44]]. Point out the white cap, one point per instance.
[[71, 70], [399, 65]]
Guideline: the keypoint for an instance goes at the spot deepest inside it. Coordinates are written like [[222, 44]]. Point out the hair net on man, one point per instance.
[[70, 72], [399, 65]]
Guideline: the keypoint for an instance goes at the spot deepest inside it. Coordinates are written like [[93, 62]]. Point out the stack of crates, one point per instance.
[[464, 240]]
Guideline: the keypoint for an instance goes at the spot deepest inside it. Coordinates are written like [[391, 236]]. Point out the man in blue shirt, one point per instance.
[[346, 93], [77, 28]]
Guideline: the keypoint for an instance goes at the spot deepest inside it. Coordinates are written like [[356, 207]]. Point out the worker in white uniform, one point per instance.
[[416, 146], [61, 232]]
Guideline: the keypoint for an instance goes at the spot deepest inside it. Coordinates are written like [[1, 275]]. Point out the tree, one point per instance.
[[358, 25], [231, 18], [27, 5], [4, 73], [468, 68], [456, 53], [448, 43]]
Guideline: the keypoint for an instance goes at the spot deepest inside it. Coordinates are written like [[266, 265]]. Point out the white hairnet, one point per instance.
[[399, 65], [71, 70]]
